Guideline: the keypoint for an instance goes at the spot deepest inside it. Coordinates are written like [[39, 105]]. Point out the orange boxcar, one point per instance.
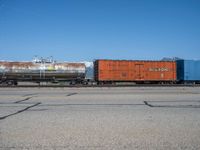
[[141, 71]]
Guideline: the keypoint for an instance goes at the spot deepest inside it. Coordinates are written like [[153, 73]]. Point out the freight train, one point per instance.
[[105, 72]]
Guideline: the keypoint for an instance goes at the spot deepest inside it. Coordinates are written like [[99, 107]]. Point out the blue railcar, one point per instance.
[[188, 71]]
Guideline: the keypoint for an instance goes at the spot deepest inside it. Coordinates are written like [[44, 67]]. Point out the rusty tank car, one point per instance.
[[42, 70]]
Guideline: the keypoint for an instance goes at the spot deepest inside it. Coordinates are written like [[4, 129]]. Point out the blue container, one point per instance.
[[188, 70]]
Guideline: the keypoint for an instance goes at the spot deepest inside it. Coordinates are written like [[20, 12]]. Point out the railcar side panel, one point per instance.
[[188, 70], [123, 70]]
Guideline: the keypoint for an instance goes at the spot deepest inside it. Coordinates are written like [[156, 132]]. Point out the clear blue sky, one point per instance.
[[77, 30]]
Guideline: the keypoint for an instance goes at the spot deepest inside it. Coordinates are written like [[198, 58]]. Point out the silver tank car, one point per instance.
[[41, 71]]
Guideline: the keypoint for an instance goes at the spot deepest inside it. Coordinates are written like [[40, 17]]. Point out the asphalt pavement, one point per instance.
[[115, 118]]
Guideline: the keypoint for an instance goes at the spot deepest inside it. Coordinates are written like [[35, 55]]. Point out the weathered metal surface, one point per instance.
[[188, 70], [29, 66], [30, 70], [122, 70]]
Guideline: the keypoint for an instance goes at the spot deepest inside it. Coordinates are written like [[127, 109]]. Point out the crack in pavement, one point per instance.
[[172, 106], [70, 94], [23, 99], [19, 102], [146, 103], [181, 101], [20, 111]]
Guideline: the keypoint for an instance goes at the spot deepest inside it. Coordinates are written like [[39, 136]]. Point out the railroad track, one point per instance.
[[82, 86]]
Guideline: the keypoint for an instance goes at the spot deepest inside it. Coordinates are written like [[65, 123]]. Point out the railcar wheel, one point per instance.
[[10, 82], [72, 83], [15, 83]]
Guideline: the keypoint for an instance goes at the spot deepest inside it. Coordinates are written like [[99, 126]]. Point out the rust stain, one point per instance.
[[39, 66], [122, 70]]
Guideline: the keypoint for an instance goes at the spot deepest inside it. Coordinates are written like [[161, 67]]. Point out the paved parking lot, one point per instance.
[[100, 118]]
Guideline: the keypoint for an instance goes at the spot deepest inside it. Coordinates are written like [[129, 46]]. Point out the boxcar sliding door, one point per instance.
[[139, 70]]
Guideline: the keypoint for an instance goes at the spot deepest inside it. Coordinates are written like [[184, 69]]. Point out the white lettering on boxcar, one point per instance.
[[159, 69]]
